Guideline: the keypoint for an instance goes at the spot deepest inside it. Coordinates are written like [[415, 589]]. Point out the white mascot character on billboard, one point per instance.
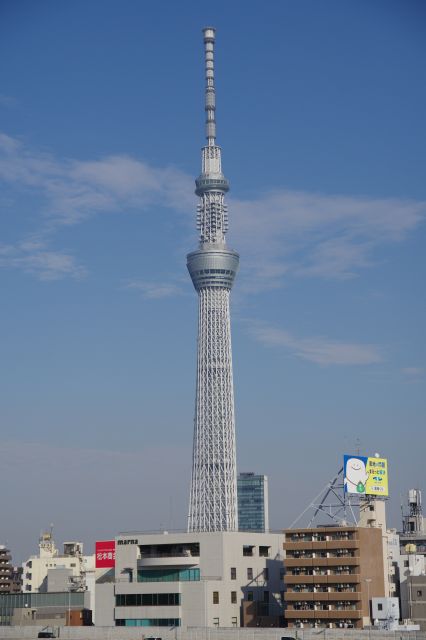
[[355, 476]]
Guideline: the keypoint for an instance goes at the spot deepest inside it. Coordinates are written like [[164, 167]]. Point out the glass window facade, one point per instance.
[[168, 575], [147, 622], [147, 599], [252, 502]]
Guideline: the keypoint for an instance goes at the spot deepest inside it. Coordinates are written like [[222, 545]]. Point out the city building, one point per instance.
[[412, 573], [10, 576], [331, 574], [253, 511], [414, 524], [37, 568], [372, 513], [45, 609], [212, 267], [192, 579]]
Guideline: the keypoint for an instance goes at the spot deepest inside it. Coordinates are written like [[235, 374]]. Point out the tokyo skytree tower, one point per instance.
[[213, 496]]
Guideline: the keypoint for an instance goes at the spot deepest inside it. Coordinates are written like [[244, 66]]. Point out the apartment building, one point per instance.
[[331, 574]]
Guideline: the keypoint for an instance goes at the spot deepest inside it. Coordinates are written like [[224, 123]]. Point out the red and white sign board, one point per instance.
[[105, 554]]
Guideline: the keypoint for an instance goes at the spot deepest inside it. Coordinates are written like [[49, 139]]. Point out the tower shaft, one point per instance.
[[213, 495]]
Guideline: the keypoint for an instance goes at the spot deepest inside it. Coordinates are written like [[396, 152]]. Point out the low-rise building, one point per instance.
[[331, 575], [191, 579]]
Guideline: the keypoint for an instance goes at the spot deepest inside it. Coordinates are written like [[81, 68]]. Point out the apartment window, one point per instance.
[[266, 574], [264, 552], [405, 563], [215, 622], [380, 607], [233, 573], [233, 597], [234, 621], [248, 550], [250, 596], [215, 597], [249, 573], [419, 594], [266, 596]]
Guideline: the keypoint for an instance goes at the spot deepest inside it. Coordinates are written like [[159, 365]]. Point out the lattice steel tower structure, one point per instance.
[[213, 497]]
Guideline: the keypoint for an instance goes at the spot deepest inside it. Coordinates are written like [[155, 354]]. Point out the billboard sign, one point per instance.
[[365, 476], [105, 554]]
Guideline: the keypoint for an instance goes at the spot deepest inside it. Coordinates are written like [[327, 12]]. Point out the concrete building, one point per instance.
[[45, 609], [10, 576], [331, 575], [36, 568], [414, 524], [191, 579], [372, 513], [412, 572], [253, 507]]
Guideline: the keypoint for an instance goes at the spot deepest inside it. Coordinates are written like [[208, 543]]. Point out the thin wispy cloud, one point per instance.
[[293, 234], [155, 290], [413, 373], [281, 234], [35, 259], [319, 349]]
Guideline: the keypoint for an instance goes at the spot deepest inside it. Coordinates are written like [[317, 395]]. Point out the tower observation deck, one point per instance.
[[212, 267]]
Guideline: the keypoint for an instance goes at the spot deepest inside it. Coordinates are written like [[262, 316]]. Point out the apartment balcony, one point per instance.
[[323, 614], [338, 614], [353, 596], [307, 614], [173, 559], [288, 579], [298, 596], [342, 544], [345, 561], [297, 546], [344, 577], [298, 562]]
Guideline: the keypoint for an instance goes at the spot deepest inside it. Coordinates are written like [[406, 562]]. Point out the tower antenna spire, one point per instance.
[[210, 94]]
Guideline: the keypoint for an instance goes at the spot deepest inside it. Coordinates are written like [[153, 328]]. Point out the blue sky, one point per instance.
[[321, 116]]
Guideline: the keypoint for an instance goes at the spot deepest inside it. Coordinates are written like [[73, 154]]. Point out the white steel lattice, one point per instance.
[[213, 499], [213, 496]]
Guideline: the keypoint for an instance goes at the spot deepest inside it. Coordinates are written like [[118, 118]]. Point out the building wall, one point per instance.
[[331, 573], [222, 576]]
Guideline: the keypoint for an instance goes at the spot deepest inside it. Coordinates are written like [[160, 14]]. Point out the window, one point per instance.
[[234, 621], [266, 596], [233, 573], [405, 563], [248, 550], [216, 622], [215, 597], [264, 552], [419, 594], [233, 597], [250, 596], [249, 573], [266, 574], [380, 606]]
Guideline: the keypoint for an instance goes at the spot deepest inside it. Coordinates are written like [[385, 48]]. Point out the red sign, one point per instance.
[[105, 554]]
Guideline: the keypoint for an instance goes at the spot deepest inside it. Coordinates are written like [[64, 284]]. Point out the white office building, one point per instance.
[[192, 579]]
